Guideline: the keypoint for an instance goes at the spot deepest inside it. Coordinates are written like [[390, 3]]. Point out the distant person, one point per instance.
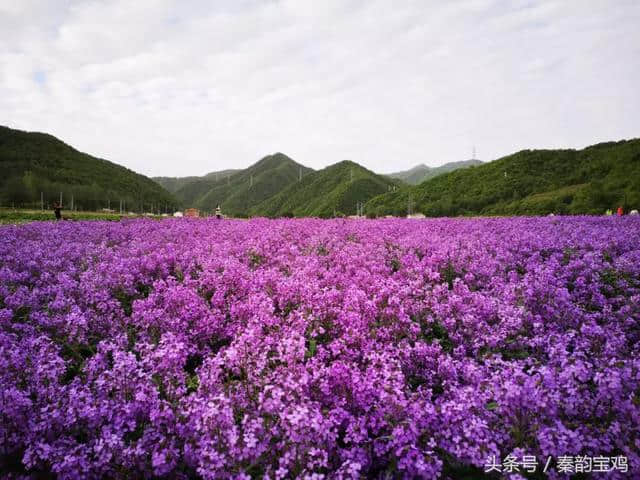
[[218, 212], [620, 212], [57, 210]]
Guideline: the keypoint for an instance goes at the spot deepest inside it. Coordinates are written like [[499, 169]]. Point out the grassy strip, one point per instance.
[[11, 216]]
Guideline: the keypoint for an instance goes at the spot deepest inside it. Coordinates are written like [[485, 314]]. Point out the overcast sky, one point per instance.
[[183, 88]]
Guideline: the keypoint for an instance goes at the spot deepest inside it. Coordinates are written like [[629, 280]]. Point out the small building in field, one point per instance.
[[192, 212], [178, 214]]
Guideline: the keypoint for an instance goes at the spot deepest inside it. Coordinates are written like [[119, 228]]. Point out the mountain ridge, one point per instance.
[[527, 182]]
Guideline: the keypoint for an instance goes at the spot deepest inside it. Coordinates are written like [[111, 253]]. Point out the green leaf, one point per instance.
[[492, 405]]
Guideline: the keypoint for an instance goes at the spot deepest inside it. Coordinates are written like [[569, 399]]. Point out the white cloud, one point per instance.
[[179, 88]]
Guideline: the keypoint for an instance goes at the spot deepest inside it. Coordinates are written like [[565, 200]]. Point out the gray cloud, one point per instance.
[[182, 88]]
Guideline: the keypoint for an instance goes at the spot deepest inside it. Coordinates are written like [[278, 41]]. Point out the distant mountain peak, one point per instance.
[[420, 173]]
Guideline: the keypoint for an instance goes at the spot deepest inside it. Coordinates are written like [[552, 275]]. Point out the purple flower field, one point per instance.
[[318, 348]]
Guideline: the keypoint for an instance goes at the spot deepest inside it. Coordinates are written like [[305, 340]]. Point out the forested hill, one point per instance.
[[530, 182], [334, 190], [33, 162], [238, 192]]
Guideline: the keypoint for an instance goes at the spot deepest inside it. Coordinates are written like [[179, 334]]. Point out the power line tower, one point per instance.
[[473, 153]]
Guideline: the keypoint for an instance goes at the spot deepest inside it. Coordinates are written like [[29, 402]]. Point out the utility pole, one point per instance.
[[251, 181], [72, 202], [41, 200], [300, 174], [60, 199], [352, 174]]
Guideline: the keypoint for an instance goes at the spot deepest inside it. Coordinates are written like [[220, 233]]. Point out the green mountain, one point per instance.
[[239, 192], [173, 184], [420, 173], [333, 190], [34, 163], [530, 182]]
